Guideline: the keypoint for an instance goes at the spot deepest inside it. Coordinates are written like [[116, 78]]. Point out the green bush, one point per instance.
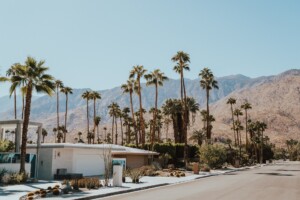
[[6, 145], [213, 155]]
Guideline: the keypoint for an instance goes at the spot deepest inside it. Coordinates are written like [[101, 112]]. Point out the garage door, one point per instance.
[[89, 165]]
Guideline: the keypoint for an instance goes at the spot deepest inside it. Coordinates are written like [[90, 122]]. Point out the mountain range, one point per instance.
[[275, 100]]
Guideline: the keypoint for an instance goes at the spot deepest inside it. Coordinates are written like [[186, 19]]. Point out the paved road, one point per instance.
[[280, 181]]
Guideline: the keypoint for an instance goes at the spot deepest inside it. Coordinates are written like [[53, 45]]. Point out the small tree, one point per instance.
[[213, 155], [107, 158]]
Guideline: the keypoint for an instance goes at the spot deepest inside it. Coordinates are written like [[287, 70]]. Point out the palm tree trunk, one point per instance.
[[112, 130], [233, 125], [142, 127], [23, 105], [88, 121], [207, 116], [154, 117], [66, 115], [122, 134], [261, 147], [116, 122], [133, 120], [57, 107], [15, 103], [94, 115], [25, 127], [246, 128]]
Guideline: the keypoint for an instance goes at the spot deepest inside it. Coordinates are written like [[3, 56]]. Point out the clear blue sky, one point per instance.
[[95, 43]]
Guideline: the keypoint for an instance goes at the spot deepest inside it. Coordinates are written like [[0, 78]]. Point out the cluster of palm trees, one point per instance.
[[61, 130], [94, 96], [254, 138]]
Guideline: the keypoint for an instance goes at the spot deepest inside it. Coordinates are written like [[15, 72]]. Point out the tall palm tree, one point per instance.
[[232, 101], [105, 129], [33, 75], [208, 82], [237, 112], [182, 60], [12, 72], [114, 112], [87, 96], [129, 88], [262, 127], [155, 78], [138, 72], [246, 106], [94, 96], [58, 84], [66, 91], [97, 121]]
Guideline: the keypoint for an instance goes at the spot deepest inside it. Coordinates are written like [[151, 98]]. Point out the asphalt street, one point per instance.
[[272, 182]]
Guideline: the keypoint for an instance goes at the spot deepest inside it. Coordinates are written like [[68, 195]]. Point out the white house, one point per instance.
[[85, 159]]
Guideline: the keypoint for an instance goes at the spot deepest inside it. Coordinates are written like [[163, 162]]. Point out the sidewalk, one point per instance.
[[16, 191]]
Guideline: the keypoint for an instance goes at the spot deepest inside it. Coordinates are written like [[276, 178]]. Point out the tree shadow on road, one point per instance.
[[288, 170], [275, 174]]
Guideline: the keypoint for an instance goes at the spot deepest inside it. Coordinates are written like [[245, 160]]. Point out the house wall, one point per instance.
[[45, 163], [62, 158], [15, 167], [88, 162], [134, 161]]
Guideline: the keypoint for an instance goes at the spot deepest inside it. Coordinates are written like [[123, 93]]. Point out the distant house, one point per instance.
[[85, 159]]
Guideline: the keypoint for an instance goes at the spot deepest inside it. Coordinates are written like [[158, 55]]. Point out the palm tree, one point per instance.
[[66, 91], [94, 96], [262, 127], [58, 84], [114, 112], [173, 109], [12, 72], [105, 129], [33, 75], [246, 106], [232, 101], [155, 78], [87, 95], [44, 134], [198, 136], [138, 72], [129, 88], [207, 82], [182, 59], [237, 112], [97, 121]]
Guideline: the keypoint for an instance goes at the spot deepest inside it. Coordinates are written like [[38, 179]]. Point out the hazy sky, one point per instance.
[[94, 44]]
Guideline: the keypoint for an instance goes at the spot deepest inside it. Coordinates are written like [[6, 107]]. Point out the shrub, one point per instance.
[[148, 170], [30, 194], [55, 192], [204, 168], [6, 178], [135, 175], [213, 155], [37, 192]]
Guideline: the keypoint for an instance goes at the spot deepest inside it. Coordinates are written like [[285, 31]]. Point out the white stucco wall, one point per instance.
[[15, 167], [89, 162], [45, 163], [62, 158]]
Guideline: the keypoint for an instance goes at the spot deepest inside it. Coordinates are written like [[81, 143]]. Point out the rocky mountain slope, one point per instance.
[[275, 100]]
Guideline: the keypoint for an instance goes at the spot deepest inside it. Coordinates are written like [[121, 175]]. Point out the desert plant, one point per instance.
[[213, 155], [55, 192], [135, 175]]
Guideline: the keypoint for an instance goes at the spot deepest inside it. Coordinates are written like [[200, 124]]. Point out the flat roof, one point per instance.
[[116, 149]]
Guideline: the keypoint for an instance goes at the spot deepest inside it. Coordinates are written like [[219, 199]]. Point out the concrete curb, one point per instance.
[[122, 192]]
